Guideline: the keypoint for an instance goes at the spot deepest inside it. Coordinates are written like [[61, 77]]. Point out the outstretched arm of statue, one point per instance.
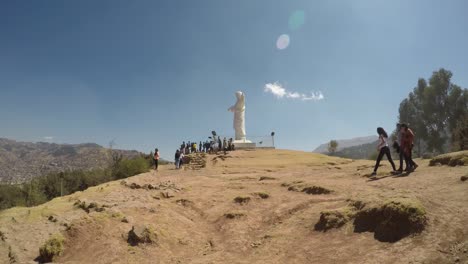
[[232, 108]]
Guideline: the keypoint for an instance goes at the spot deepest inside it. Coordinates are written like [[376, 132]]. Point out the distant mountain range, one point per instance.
[[21, 161], [346, 143]]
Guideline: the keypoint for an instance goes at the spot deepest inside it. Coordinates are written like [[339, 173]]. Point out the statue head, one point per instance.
[[240, 95]]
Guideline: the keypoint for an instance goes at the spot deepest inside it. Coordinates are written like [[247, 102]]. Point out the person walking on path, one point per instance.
[[156, 159], [399, 148], [383, 150], [181, 160], [177, 159], [407, 147]]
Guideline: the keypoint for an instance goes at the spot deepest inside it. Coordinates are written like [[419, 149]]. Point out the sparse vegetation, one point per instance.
[[316, 190], [89, 207], [392, 220], [299, 186], [233, 215], [242, 200], [334, 218], [45, 188], [453, 159], [52, 248], [263, 178], [262, 195], [141, 235]]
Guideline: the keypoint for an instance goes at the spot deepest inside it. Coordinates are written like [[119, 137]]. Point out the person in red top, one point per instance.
[[156, 159], [407, 142]]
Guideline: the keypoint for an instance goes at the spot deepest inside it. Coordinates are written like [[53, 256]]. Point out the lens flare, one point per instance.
[[282, 42], [296, 20]]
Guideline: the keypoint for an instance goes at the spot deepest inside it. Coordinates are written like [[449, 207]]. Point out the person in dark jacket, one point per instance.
[[177, 159]]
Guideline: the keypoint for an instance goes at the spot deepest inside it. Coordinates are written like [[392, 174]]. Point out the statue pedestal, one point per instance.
[[244, 144]]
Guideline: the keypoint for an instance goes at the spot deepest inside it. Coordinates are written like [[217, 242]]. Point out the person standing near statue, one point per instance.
[[177, 159], [156, 159]]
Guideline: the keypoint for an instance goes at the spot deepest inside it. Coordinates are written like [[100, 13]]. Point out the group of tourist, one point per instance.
[[403, 145], [210, 146]]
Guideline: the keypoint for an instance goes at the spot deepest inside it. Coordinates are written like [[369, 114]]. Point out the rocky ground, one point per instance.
[[262, 206]]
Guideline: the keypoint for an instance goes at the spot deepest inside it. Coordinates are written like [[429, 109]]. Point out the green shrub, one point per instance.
[[47, 187], [126, 168], [52, 248], [10, 196]]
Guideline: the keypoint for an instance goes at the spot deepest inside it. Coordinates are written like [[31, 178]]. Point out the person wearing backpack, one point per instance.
[[383, 150], [156, 159]]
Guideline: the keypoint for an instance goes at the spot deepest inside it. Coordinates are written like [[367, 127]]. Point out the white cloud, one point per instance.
[[280, 92], [49, 138]]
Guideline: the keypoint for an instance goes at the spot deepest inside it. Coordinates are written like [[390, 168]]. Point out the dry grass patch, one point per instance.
[[242, 199], [234, 215], [262, 195], [264, 178], [299, 186], [52, 248], [316, 190], [88, 207], [334, 218], [141, 235], [453, 159], [392, 220]]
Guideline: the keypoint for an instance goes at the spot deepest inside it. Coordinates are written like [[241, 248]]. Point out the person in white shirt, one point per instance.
[[383, 150]]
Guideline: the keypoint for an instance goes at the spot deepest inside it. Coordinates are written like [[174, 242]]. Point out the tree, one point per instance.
[[460, 135], [433, 110], [332, 146]]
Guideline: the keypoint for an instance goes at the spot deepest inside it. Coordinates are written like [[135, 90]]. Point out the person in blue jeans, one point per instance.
[[383, 150]]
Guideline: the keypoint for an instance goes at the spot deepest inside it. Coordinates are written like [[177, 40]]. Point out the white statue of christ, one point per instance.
[[239, 116]]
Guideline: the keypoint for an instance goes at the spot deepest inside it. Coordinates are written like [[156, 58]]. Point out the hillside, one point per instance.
[[363, 151], [346, 143], [262, 206], [20, 161]]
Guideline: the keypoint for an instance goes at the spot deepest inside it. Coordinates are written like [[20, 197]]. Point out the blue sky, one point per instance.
[[153, 73]]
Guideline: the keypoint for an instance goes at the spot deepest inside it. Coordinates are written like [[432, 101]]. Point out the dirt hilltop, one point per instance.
[[262, 206]]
